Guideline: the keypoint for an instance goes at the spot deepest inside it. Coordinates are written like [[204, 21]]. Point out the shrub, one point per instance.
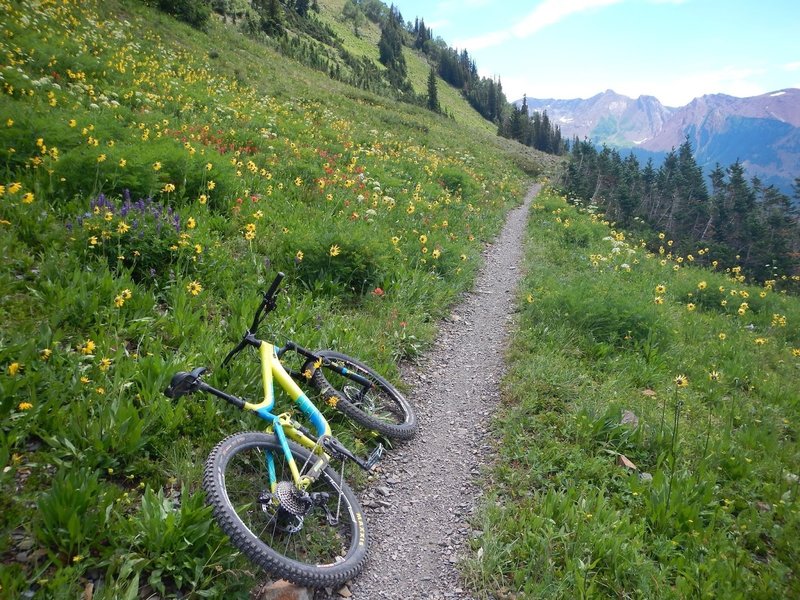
[[73, 515], [194, 12]]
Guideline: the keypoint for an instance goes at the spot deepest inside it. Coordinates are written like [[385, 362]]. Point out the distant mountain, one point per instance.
[[762, 132]]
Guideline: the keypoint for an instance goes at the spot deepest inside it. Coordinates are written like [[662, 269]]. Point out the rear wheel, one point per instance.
[[314, 537], [375, 404]]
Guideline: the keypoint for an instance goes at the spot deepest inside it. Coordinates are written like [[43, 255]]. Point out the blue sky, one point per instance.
[[675, 50]]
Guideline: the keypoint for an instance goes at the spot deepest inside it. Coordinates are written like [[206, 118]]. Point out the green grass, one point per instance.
[[717, 513], [154, 179]]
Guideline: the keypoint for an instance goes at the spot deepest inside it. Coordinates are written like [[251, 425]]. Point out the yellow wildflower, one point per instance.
[[194, 288], [334, 250], [14, 369]]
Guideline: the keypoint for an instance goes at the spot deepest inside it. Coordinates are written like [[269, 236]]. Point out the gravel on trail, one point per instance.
[[419, 506]]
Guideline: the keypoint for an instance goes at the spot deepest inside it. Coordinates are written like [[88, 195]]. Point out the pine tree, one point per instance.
[[433, 95]]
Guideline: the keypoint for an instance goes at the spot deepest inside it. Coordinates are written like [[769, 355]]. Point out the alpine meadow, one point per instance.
[[163, 160]]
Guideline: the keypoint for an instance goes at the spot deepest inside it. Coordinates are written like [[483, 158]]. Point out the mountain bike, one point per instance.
[[276, 494]]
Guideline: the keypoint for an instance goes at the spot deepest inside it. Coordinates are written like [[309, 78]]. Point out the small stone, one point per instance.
[[629, 418], [283, 590], [344, 592]]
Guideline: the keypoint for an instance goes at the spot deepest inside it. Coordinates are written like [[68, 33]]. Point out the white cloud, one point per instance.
[[546, 13], [551, 12], [792, 66]]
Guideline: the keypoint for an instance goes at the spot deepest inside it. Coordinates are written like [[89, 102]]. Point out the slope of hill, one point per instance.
[[762, 132], [154, 179]]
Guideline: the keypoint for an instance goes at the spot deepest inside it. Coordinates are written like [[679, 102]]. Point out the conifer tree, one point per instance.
[[433, 95]]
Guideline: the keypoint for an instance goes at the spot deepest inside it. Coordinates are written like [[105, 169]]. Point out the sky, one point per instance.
[[675, 50]]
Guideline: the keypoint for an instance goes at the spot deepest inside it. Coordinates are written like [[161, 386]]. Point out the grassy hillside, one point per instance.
[[648, 446], [366, 44], [154, 180]]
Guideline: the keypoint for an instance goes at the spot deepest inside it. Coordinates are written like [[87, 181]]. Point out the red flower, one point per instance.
[[378, 292]]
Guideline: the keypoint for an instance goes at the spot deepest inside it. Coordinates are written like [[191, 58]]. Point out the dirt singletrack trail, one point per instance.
[[418, 509]]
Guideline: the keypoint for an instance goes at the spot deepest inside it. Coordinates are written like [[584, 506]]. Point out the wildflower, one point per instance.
[[123, 227], [395, 240], [410, 209], [100, 390], [101, 158], [10, 123], [14, 369], [198, 249], [191, 223], [463, 257], [211, 185], [258, 214], [778, 320], [690, 307], [334, 250], [194, 288], [209, 166], [170, 187], [702, 285], [530, 298], [122, 162], [45, 354], [27, 198], [796, 352], [681, 381], [24, 406], [761, 341], [423, 239], [105, 364], [298, 181], [251, 227], [714, 376], [378, 292], [14, 187], [722, 337], [88, 347], [332, 401], [661, 236], [249, 235], [658, 300], [299, 256], [126, 294], [109, 216], [119, 301], [436, 253], [202, 199], [156, 166]]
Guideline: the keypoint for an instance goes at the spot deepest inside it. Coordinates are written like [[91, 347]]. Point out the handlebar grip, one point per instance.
[[274, 287]]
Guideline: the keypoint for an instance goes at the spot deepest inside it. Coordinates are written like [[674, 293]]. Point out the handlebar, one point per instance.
[[267, 306]]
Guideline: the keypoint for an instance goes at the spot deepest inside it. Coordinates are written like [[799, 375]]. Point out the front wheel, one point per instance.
[[314, 537], [363, 395]]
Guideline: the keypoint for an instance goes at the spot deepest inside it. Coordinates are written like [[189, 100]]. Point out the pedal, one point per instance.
[[373, 459]]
